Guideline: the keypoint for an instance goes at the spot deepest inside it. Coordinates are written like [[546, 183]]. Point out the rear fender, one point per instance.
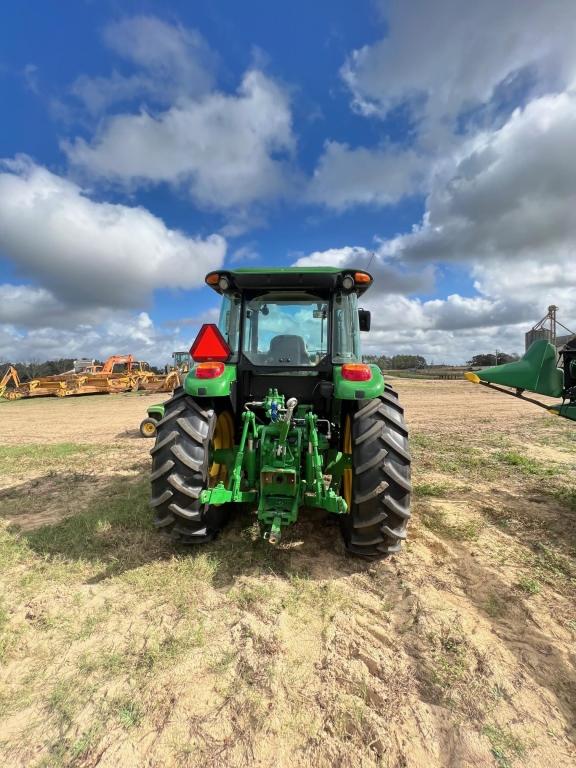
[[156, 411], [358, 390], [221, 386]]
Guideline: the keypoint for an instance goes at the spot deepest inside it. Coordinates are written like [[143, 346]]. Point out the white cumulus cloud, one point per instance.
[[93, 253], [110, 333], [226, 150], [501, 207], [506, 196], [390, 277], [447, 56], [172, 61], [346, 176]]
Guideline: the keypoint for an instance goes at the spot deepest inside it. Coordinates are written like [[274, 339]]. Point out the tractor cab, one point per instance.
[[288, 329]]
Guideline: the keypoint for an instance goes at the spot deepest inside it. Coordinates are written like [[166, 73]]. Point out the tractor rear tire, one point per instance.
[[181, 471], [380, 489]]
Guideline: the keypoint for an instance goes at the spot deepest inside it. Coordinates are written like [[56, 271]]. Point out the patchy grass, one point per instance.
[[451, 671], [450, 663], [115, 529], [247, 596], [64, 700], [238, 653], [482, 458], [552, 564], [426, 490], [18, 459], [325, 597], [495, 606], [528, 585], [129, 713], [420, 442], [524, 464], [440, 522], [505, 745], [43, 452], [566, 496]]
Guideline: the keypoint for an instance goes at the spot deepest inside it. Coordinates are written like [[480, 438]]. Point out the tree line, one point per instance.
[[417, 362], [397, 362], [485, 361], [35, 369]]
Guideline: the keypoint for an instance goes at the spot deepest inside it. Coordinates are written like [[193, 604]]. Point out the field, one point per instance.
[[118, 650]]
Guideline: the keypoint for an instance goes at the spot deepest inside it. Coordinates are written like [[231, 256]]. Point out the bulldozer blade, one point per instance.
[[536, 372]]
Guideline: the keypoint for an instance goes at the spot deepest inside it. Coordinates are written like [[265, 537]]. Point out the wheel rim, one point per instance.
[[347, 473], [223, 438], [148, 429]]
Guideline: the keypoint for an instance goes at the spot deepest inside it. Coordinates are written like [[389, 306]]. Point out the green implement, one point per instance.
[[543, 370]]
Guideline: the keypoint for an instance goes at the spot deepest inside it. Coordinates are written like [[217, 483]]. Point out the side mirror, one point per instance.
[[364, 319]]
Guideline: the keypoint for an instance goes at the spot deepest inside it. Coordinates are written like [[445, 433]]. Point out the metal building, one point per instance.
[[547, 329]]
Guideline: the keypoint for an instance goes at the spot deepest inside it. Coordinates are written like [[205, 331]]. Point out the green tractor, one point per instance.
[[543, 370], [148, 425], [279, 412]]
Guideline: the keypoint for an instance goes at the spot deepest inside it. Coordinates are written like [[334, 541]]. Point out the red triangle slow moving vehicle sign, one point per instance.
[[209, 345]]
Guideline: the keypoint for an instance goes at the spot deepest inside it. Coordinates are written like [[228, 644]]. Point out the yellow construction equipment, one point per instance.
[[119, 373], [93, 379], [171, 379], [10, 377]]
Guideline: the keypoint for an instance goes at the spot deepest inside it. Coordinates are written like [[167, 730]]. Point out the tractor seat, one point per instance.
[[288, 350]]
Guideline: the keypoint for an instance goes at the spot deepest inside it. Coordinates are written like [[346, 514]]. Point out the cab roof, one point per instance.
[[322, 279]]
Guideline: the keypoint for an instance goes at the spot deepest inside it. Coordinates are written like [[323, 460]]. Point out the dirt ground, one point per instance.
[[116, 649]]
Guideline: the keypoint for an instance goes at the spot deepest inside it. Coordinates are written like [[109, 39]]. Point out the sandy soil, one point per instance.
[[457, 653], [443, 406], [87, 419]]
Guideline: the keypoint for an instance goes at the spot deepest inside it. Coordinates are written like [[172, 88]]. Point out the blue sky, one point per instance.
[[145, 143]]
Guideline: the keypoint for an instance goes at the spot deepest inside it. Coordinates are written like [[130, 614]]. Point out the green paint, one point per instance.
[[279, 486], [156, 411], [566, 410], [348, 390], [221, 386], [536, 371], [287, 271]]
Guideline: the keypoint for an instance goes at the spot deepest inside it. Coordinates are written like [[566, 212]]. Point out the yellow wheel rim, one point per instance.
[[347, 474], [223, 438], [148, 428]]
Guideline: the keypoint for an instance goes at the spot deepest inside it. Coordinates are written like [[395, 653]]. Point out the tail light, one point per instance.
[[209, 370], [356, 372]]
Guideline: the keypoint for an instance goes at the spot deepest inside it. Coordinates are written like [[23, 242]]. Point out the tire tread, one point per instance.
[[376, 524]]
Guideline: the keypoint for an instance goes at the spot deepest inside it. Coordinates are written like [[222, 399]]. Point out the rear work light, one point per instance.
[[209, 370], [210, 346], [356, 372], [218, 280], [356, 279]]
